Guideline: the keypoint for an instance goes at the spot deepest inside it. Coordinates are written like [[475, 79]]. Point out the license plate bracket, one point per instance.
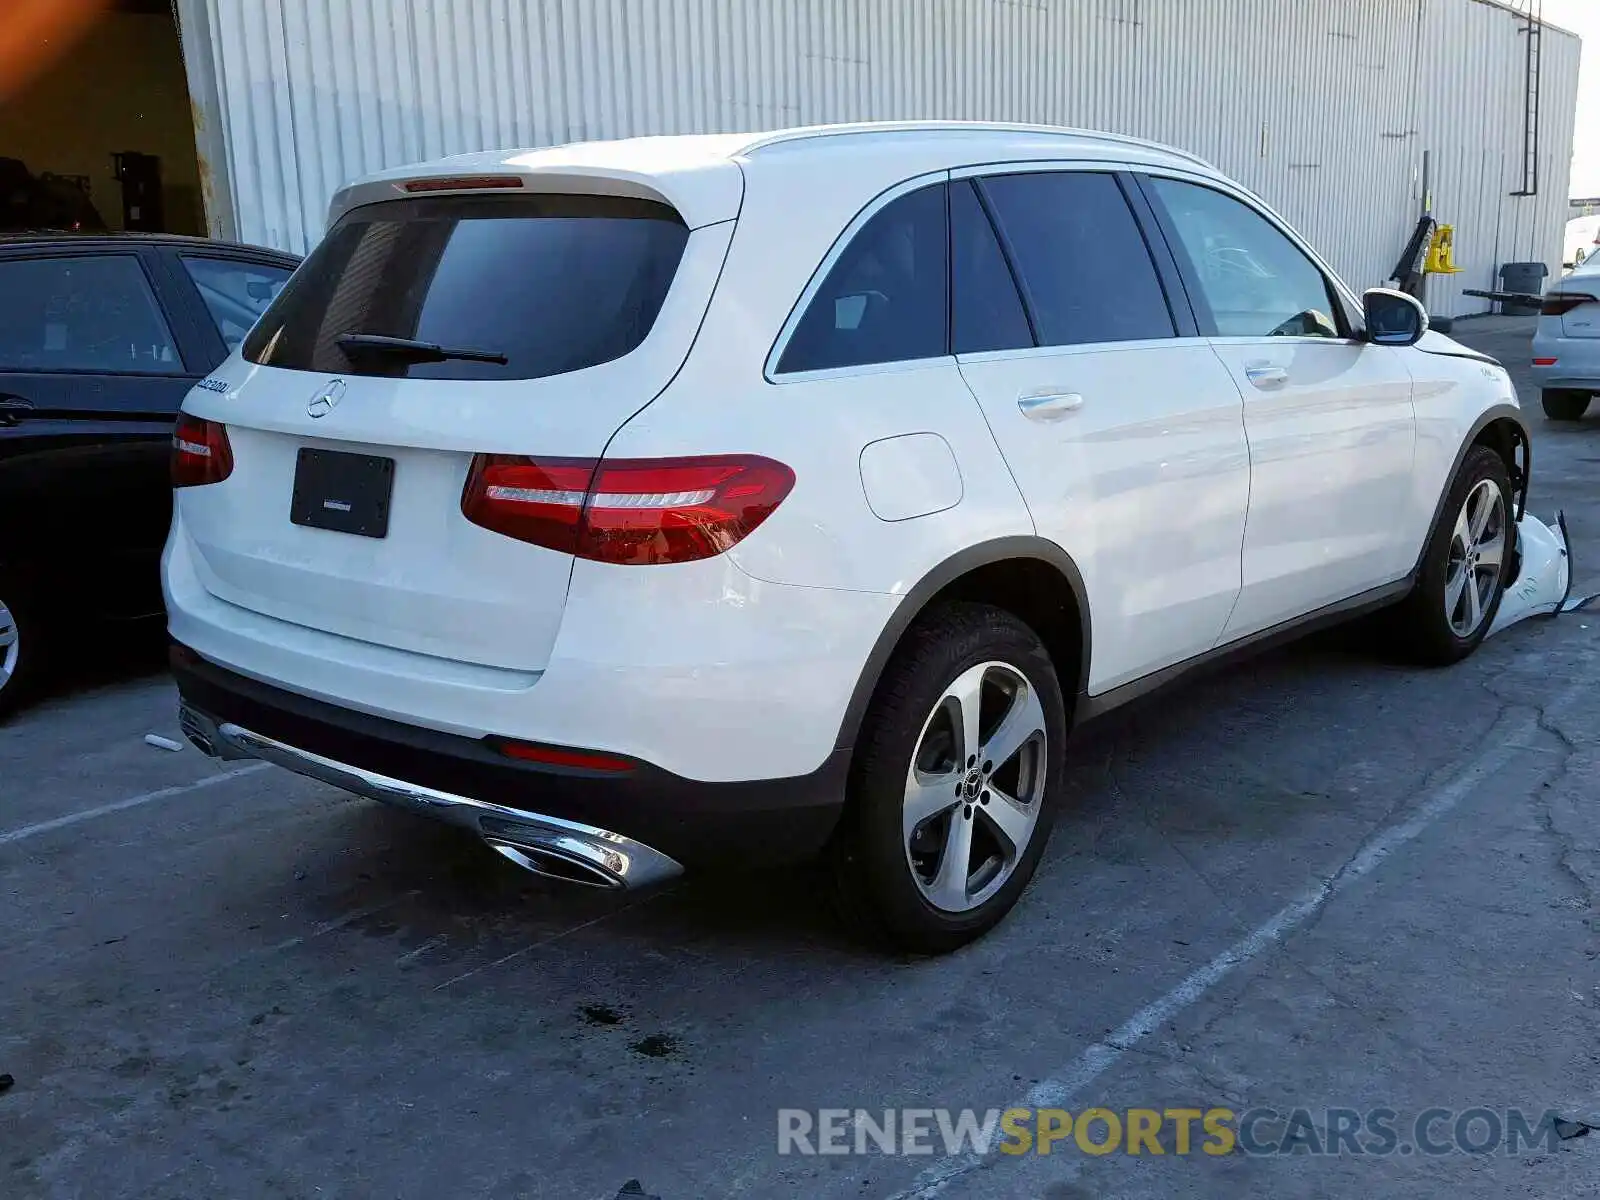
[[344, 492]]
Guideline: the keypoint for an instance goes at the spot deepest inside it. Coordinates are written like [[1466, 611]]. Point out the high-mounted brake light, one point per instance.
[[633, 511], [1558, 304], [464, 183], [200, 452]]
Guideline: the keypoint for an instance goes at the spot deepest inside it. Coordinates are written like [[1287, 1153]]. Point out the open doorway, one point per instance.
[[104, 138]]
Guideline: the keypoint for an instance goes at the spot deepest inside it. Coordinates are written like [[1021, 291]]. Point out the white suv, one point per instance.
[[728, 499]]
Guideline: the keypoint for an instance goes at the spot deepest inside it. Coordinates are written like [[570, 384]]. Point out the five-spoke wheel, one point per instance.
[[953, 787]]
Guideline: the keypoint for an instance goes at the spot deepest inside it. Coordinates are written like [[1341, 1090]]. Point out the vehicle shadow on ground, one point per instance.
[[446, 898]]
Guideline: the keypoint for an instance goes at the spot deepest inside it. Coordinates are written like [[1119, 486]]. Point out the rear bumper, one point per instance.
[[1577, 364], [697, 669], [650, 820]]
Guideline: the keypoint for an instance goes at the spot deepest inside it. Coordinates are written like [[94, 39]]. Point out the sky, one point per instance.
[[1583, 18]]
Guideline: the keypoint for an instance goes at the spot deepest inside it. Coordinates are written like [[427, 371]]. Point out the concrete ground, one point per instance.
[[1318, 881]]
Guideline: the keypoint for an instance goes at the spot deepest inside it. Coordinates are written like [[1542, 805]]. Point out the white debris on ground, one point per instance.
[[1544, 584], [161, 743]]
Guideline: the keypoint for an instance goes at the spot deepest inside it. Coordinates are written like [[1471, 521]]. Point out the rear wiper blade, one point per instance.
[[412, 349]]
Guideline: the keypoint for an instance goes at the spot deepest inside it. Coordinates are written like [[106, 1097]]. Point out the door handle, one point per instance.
[[1049, 406], [1265, 375]]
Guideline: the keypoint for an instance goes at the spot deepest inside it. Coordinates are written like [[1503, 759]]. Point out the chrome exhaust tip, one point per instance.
[[207, 736], [563, 865], [574, 853]]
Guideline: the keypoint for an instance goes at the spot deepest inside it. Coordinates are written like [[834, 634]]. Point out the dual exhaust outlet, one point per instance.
[[551, 847]]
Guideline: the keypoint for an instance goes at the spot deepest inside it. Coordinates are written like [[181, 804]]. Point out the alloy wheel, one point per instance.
[[975, 788], [10, 645], [1477, 551]]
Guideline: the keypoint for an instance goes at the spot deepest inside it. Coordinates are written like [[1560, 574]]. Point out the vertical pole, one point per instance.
[[1427, 210]]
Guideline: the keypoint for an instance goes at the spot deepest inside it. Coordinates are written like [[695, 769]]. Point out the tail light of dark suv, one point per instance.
[[633, 511], [200, 452]]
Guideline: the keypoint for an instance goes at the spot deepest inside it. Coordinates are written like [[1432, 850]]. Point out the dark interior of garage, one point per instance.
[[103, 138]]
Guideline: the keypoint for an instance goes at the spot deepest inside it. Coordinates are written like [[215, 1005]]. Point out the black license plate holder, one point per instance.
[[347, 493]]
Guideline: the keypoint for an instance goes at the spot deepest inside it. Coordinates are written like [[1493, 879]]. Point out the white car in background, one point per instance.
[[698, 500], [1583, 239], [1566, 343]]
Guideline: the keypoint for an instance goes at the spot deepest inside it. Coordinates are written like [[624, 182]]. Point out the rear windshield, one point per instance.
[[550, 283]]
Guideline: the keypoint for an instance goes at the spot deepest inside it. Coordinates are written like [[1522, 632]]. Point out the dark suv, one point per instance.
[[101, 337]]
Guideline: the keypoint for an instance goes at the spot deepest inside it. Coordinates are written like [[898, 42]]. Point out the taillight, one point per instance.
[[200, 452], [1558, 304], [634, 511]]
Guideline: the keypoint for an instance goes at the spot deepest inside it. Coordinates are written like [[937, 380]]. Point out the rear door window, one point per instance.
[[1085, 270], [885, 298], [548, 283], [91, 313], [235, 292]]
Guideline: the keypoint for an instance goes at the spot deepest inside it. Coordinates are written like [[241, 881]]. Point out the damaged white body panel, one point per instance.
[[1544, 582]]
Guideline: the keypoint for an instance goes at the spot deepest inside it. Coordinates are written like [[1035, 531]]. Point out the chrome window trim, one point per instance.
[[1110, 166], [1077, 348], [1103, 166]]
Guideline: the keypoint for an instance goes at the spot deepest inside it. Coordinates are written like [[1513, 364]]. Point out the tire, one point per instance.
[[1564, 404], [22, 643], [890, 883], [1430, 626]]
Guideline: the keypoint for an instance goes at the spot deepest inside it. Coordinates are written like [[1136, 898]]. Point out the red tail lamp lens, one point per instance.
[[200, 452], [627, 511]]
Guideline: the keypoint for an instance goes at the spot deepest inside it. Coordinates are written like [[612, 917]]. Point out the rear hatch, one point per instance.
[[558, 316]]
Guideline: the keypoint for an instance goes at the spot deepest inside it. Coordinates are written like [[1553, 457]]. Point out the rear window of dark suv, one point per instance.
[[527, 286]]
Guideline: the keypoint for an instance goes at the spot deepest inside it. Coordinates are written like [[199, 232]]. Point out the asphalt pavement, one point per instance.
[[1318, 881]]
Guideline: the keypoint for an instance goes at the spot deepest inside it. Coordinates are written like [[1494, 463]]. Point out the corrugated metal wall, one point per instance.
[[1324, 106], [1471, 118]]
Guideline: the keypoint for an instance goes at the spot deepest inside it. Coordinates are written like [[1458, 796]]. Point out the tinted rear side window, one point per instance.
[[884, 300], [553, 283], [1085, 269]]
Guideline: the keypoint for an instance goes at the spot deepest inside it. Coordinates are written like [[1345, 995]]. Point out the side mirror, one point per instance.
[[1393, 318]]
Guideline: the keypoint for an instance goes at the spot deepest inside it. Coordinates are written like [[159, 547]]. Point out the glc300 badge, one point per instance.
[[212, 385]]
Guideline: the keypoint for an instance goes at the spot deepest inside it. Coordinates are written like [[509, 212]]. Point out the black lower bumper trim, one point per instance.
[[755, 823]]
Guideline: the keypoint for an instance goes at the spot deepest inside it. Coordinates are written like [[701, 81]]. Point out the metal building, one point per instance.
[[1328, 108]]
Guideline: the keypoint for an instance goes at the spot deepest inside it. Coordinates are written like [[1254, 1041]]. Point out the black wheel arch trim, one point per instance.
[[916, 601], [1520, 476]]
